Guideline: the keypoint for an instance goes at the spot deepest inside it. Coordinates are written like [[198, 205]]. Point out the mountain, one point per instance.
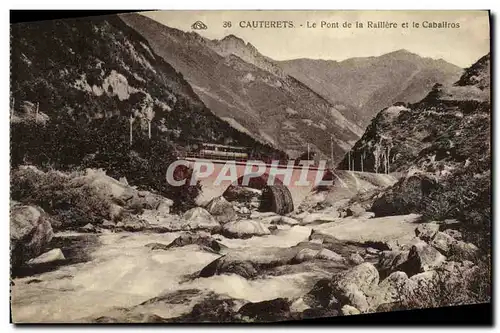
[[441, 146], [82, 87], [373, 83], [250, 91], [448, 129]]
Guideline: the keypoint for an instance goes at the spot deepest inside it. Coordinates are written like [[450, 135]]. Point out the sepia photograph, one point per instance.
[[256, 166]]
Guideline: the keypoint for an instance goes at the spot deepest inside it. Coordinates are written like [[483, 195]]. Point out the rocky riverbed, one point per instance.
[[268, 268]]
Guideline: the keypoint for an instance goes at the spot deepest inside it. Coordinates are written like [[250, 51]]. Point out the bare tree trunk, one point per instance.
[[36, 112], [361, 157], [12, 106], [149, 129], [131, 120], [349, 160]]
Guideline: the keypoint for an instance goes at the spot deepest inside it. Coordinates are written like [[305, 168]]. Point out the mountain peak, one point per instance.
[[402, 52], [232, 37]]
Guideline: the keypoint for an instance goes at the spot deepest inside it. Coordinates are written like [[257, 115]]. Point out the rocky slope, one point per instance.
[[442, 148], [372, 83], [91, 92], [448, 129], [250, 91]]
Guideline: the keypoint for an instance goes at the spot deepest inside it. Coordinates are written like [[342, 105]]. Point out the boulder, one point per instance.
[[221, 210], [442, 242], [355, 210], [356, 259], [389, 290], [371, 250], [391, 261], [427, 231], [244, 229], [30, 232], [422, 258], [241, 193], [157, 246], [108, 224], [244, 210], [163, 207], [325, 254], [203, 240], [321, 295], [88, 228], [364, 276], [288, 220], [259, 215], [463, 251], [348, 310], [318, 218], [226, 265], [350, 294], [305, 255], [134, 223], [199, 218], [50, 256], [266, 311], [213, 310], [424, 280], [367, 215], [247, 262], [115, 212], [271, 219], [453, 233]]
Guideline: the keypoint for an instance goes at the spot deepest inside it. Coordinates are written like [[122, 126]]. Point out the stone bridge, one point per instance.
[[215, 176]]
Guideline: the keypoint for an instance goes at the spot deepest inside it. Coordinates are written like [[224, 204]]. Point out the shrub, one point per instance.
[[449, 289], [72, 205]]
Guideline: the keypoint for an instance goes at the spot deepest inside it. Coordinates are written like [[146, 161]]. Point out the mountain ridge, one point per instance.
[[275, 108]]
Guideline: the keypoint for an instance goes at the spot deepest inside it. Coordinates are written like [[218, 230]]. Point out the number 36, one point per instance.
[[226, 24]]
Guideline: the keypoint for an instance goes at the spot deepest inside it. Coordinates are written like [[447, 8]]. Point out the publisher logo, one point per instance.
[[198, 25]]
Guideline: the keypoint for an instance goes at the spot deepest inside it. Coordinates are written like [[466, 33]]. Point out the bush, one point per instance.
[[465, 196], [405, 197], [72, 205], [450, 289]]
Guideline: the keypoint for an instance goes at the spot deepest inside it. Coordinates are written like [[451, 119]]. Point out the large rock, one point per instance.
[[453, 233], [241, 193], [266, 311], [199, 218], [364, 276], [390, 290], [248, 262], [245, 229], [221, 210], [442, 242], [203, 240], [349, 287], [287, 220], [355, 210], [422, 258], [164, 206], [133, 223], [305, 254], [350, 294], [321, 254], [391, 261], [356, 259], [462, 251], [427, 231], [348, 310], [30, 232], [50, 256], [318, 218]]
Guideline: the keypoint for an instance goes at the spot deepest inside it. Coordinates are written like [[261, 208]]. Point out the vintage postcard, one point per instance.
[[249, 166]]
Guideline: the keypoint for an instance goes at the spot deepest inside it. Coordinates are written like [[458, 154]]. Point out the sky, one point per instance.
[[462, 45]]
